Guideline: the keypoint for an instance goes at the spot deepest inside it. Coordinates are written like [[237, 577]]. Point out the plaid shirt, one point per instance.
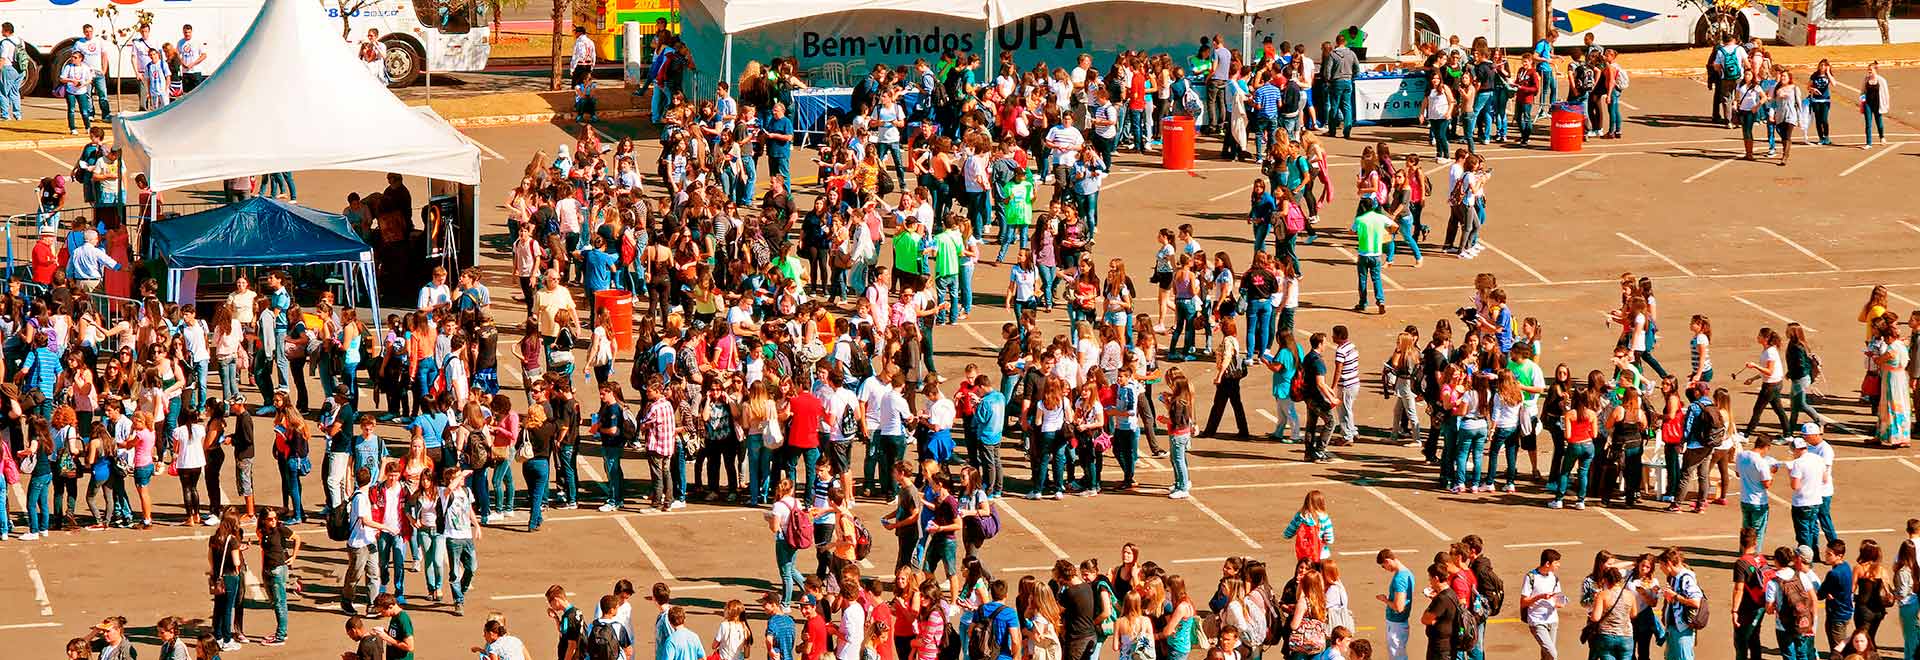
[[657, 427]]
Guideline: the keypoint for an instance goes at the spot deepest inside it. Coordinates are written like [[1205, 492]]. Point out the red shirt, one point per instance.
[[817, 639], [46, 260], [804, 430]]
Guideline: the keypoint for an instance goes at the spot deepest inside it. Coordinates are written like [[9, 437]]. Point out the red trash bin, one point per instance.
[[619, 307], [1567, 127], [1176, 143]]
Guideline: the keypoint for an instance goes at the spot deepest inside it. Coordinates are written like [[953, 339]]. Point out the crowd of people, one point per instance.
[[779, 334]]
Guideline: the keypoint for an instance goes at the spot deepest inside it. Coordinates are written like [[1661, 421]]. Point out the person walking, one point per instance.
[[1876, 98], [1319, 396], [279, 546], [1540, 601]]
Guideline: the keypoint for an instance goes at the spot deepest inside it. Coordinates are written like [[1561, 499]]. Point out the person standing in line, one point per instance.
[[1790, 597], [193, 54], [1836, 593], [279, 546], [1442, 617], [93, 53], [1681, 593], [13, 72], [1342, 65], [1808, 473], [1398, 601], [776, 135], [1319, 398], [1346, 362], [1540, 603], [460, 527], [1818, 446]]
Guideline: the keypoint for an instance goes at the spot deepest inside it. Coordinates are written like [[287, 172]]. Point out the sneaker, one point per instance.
[[30, 536], [1033, 495], [1580, 505], [211, 521], [677, 505], [608, 508], [229, 646], [1177, 495], [1057, 495], [1555, 504], [459, 609], [274, 641], [1509, 488]]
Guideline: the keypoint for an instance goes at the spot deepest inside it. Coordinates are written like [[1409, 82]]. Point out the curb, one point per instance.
[[47, 143], [1688, 72]]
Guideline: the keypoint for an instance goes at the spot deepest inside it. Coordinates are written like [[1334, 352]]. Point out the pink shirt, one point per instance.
[[143, 448]]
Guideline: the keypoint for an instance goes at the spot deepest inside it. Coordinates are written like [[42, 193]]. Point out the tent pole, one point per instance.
[[726, 57], [987, 63], [1246, 38]]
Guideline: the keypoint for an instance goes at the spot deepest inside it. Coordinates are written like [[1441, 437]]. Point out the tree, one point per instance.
[[121, 36], [1882, 11], [561, 8]]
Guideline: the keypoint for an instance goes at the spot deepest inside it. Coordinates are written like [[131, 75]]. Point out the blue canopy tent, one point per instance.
[[262, 232]]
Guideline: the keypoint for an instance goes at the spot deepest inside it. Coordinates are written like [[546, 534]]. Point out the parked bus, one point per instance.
[[1845, 22], [1509, 23], [446, 35]]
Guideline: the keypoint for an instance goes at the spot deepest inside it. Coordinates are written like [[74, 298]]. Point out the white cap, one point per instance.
[[1810, 428]]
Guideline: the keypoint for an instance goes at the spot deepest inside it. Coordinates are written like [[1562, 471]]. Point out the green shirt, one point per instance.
[[1527, 373], [791, 267], [1200, 66], [1019, 196], [906, 253], [400, 627], [947, 246], [1370, 231], [1355, 38]]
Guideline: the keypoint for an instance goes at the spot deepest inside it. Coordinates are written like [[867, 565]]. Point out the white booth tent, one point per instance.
[[736, 16], [292, 97]]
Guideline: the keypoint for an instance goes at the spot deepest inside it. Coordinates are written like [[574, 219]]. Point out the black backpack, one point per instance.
[[1706, 426], [849, 423], [340, 520], [982, 644], [603, 641], [1289, 99], [1466, 628], [1493, 591]]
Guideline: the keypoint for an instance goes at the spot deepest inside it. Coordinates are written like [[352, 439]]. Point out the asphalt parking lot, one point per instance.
[[1746, 243]]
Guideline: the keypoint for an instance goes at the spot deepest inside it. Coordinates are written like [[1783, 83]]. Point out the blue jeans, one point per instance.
[[1340, 108], [290, 493], [743, 186], [777, 165], [1287, 426], [1794, 646], [1873, 120], [1503, 439], [536, 471], [790, 459], [610, 463], [1177, 447], [427, 548], [1437, 132], [1259, 326], [1185, 313], [99, 93], [1826, 520], [6, 518], [1047, 472], [502, 487], [966, 288], [10, 79], [1806, 525], [979, 210], [1468, 456], [392, 559], [230, 379], [1611, 647], [1525, 116], [1755, 517], [947, 290], [278, 181], [759, 467], [1260, 231], [226, 607], [1015, 237], [1910, 627], [461, 562], [657, 103], [568, 479], [39, 500], [1679, 643], [1577, 454], [82, 104], [1613, 122], [892, 150], [1048, 280], [1367, 268], [1408, 229], [790, 579], [277, 589], [1480, 122], [1136, 125]]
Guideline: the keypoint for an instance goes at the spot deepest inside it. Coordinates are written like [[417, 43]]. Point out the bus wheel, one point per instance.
[[404, 62]]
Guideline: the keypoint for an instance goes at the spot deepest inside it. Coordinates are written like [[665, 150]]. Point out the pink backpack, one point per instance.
[[1296, 220]]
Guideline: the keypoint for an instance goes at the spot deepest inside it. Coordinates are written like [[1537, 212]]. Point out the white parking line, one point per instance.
[[50, 157], [1782, 317], [1383, 271], [1031, 529], [24, 626], [652, 557], [1417, 520], [1910, 465], [1683, 269], [976, 335], [1236, 191], [1617, 520], [39, 585], [483, 147], [1571, 170], [1283, 484], [1547, 544], [1223, 522], [1909, 225], [1801, 248], [1523, 266], [1876, 156], [1122, 182], [1710, 169], [1370, 553]]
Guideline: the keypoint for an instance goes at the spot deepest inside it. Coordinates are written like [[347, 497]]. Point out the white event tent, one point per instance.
[[292, 97]]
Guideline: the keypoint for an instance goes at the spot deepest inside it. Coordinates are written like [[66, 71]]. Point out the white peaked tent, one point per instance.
[[292, 97]]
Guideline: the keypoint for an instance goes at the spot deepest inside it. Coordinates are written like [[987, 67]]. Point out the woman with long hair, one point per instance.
[[1800, 372], [290, 435], [1581, 424], [1893, 423], [1313, 519], [1772, 371], [1309, 611], [1040, 611], [1182, 620], [226, 568], [1133, 632], [1230, 367], [1506, 401], [1179, 420]]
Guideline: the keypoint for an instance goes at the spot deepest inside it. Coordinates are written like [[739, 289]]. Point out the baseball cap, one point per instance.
[[1799, 443], [1806, 554], [1810, 428]]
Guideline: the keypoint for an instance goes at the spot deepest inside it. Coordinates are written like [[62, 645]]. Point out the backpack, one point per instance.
[[1190, 101], [1620, 77], [1729, 64], [1290, 100], [1492, 590], [629, 427], [603, 641], [1310, 639], [982, 644], [20, 60], [1796, 606], [1757, 579], [859, 363], [799, 529], [1696, 617], [862, 540], [1706, 426], [340, 521], [849, 424], [1466, 629], [1307, 545]]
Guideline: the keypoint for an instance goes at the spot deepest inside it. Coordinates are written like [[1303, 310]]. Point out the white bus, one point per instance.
[[1845, 22], [446, 35], [1509, 23]]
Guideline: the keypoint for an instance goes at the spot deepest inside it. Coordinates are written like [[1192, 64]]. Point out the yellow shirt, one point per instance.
[[547, 304]]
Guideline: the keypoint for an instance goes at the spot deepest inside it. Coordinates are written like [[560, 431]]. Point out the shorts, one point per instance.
[[1162, 278], [143, 475], [243, 475], [840, 456]]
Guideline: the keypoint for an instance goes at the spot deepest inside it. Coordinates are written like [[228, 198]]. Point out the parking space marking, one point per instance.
[[1801, 248], [39, 585], [1783, 318], [1372, 553], [1910, 465], [1656, 253], [652, 557], [1876, 156], [1223, 522], [1523, 266], [1710, 169], [1031, 529], [1109, 186], [1901, 298], [1236, 191], [1282, 484], [1417, 520], [1546, 544], [1198, 560], [50, 157], [1571, 170], [976, 335], [1383, 271], [1909, 225], [24, 626], [1617, 520]]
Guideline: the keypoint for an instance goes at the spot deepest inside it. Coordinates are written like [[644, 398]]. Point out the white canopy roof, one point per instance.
[[1008, 11], [292, 97], [736, 16]]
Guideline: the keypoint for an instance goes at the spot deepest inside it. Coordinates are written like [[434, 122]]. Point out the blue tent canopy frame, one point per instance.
[[262, 231]]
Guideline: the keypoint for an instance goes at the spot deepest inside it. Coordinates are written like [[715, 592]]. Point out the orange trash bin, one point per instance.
[[619, 307], [1176, 143], [1568, 127]]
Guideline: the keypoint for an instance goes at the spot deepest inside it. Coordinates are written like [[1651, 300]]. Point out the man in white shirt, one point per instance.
[[94, 53], [581, 61], [10, 76], [193, 54], [886, 416], [1792, 566], [1755, 470], [888, 120], [1063, 143], [1540, 603], [845, 423], [142, 48], [360, 545], [1809, 475], [1818, 446]]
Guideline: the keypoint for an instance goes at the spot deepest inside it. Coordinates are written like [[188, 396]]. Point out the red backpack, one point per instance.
[[799, 528], [1307, 544]]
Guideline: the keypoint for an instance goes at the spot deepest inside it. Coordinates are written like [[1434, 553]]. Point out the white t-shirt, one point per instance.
[[838, 403], [941, 414], [1811, 471], [1541, 611], [508, 647], [853, 631], [1771, 356], [1754, 470], [1825, 451], [1064, 134]]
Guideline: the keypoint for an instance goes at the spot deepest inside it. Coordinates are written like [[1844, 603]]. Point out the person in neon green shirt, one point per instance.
[[907, 255], [947, 246], [1370, 240], [791, 266], [1018, 193]]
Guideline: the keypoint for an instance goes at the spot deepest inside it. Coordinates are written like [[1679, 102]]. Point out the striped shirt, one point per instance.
[[1347, 355], [1267, 96], [1700, 345]]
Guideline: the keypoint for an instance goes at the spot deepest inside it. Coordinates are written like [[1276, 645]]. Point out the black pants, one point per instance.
[[1769, 397], [211, 475], [1319, 429], [580, 72], [1228, 391]]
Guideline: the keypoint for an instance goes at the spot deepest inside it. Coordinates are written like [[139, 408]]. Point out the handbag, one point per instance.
[[1308, 639], [1870, 384]]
